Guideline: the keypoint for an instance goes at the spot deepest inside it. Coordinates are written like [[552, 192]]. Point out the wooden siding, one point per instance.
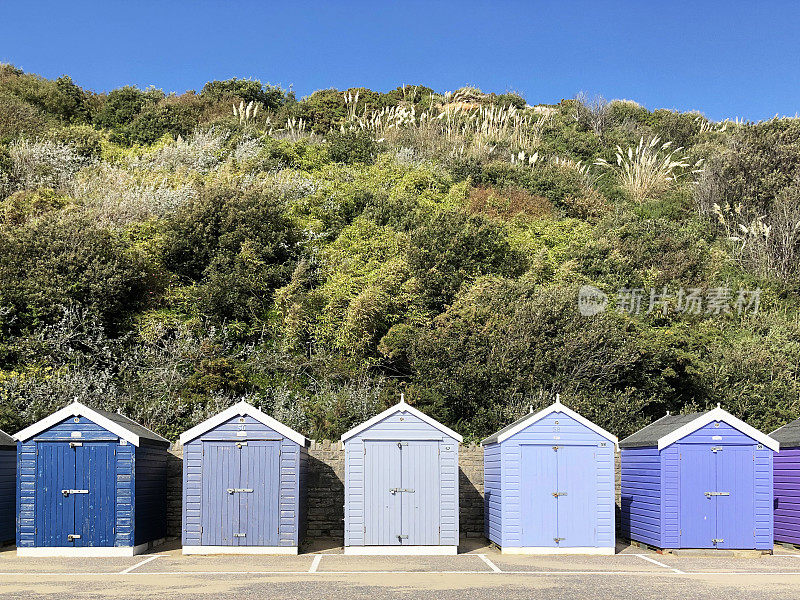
[[150, 483], [640, 487], [492, 494], [787, 495], [8, 483], [566, 431], [302, 494], [289, 479], [27, 479], [400, 426]]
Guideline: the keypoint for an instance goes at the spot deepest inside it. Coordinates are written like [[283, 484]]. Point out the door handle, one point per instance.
[[239, 490], [68, 492], [397, 490], [73, 536], [239, 535], [710, 494], [557, 494]]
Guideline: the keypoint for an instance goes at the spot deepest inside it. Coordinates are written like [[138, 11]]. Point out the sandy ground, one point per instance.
[[479, 572]]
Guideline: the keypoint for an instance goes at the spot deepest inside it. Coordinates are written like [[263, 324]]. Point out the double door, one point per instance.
[[717, 496], [558, 504], [241, 493], [75, 493], [402, 493]]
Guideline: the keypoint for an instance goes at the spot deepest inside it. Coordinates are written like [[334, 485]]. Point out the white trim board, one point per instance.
[[542, 550], [81, 552], [556, 407], [402, 407], [241, 409], [239, 550], [718, 414], [76, 409], [401, 550]]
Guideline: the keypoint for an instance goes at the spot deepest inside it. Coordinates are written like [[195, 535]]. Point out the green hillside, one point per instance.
[[168, 255]]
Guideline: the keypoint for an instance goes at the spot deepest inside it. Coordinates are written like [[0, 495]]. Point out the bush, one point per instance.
[[350, 147], [121, 107], [453, 248], [66, 259], [237, 245], [84, 140], [249, 90]]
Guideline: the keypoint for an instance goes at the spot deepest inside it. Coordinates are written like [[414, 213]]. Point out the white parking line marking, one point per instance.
[[139, 564], [492, 566], [660, 564], [315, 564], [538, 573]]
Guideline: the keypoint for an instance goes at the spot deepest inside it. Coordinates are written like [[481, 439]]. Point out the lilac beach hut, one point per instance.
[[787, 483], [700, 480]]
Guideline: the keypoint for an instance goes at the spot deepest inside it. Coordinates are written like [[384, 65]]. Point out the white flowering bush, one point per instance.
[[43, 163]]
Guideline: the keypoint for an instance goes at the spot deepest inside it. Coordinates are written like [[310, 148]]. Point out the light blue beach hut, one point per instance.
[[549, 485], [401, 485], [243, 484]]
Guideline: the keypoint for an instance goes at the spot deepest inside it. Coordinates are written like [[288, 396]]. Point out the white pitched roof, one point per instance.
[[524, 422], [239, 410], [718, 414], [402, 407], [117, 424]]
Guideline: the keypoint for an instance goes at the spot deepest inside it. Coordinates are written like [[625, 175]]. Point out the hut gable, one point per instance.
[[242, 409], [402, 415], [115, 423]]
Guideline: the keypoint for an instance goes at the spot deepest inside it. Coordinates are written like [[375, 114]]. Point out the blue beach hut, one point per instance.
[[90, 483], [8, 486], [243, 484], [700, 480], [549, 485], [401, 485]]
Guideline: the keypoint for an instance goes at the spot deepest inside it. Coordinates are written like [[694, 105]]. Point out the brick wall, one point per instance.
[[326, 491]]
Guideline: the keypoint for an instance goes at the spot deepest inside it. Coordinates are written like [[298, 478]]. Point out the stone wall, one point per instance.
[[326, 491]]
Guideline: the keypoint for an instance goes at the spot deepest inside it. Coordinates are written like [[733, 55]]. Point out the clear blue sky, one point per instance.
[[726, 59]]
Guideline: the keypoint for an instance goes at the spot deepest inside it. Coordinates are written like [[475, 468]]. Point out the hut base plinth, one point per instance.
[[239, 550], [550, 550], [400, 550], [84, 552]]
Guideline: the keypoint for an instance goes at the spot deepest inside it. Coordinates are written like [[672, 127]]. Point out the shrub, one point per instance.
[[453, 248], [248, 90], [121, 107], [350, 147], [83, 139], [508, 202], [238, 245]]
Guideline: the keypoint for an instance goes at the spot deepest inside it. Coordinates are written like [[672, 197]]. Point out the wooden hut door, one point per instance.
[[420, 493], [577, 500], [382, 474], [75, 494], [95, 506], [736, 510], [259, 513], [55, 512], [698, 526], [717, 496], [538, 505], [220, 507]]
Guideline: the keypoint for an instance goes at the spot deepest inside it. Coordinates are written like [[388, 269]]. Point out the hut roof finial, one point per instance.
[[558, 399], [402, 398]]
